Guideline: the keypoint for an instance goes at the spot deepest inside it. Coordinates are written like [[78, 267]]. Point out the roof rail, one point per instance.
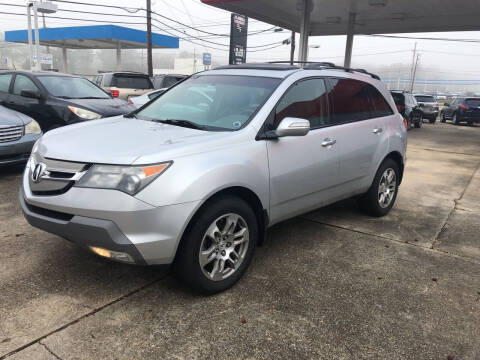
[[326, 65]]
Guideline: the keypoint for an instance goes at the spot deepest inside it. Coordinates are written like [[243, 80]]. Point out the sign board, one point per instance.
[[46, 59], [207, 59], [238, 39]]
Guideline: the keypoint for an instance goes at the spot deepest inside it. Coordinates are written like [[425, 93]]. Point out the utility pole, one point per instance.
[[414, 73], [413, 64], [149, 38], [292, 48]]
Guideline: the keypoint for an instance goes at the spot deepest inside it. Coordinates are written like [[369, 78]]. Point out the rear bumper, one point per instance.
[[17, 152], [470, 118]]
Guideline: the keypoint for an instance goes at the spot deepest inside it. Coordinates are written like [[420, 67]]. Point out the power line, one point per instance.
[[425, 38]]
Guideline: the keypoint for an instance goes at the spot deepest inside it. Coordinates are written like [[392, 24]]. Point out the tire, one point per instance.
[[207, 279], [432, 120], [418, 124], [443, 118], [455, 120], [371, 202]]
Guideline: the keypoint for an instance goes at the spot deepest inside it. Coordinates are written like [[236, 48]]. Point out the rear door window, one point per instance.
[[349, 101], [5, 80], [132, 82], [306, 100], [473, 102]]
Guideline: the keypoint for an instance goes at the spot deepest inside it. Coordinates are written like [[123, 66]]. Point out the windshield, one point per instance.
[[427, 99], [215, 102], [72, 87], [473, 102]]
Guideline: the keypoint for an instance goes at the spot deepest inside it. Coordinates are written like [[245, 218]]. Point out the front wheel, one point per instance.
[[432, 120], [379, 199], [443, 118], [419, 123], [218, 248]]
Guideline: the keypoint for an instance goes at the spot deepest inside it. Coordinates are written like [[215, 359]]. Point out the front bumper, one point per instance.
[[111, 220], [17, 152]]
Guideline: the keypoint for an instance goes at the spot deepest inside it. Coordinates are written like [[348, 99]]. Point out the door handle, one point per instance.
[[377, 130], [328, 142]]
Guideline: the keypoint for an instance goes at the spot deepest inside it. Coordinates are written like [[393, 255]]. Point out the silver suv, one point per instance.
[[197, 176]]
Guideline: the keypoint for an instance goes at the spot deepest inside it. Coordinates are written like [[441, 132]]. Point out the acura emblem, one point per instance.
[[38, 171]]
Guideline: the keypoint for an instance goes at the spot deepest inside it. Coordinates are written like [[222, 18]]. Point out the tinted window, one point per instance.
[[23, 83], [306, 100], [217, 102], [398, 98], [132, 82], [72, 87], [424, 98], [350, 100], [473, 102], [380, 105], [5, 82], [171, 80]]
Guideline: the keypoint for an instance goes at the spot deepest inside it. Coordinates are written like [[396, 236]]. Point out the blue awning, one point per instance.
[[94, 37]]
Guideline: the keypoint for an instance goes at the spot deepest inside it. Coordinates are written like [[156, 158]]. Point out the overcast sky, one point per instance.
[[445, 57]]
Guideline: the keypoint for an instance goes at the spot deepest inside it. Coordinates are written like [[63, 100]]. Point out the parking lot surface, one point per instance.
[[331, 284]]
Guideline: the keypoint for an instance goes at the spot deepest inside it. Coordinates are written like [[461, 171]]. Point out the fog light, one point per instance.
[[120, 256]]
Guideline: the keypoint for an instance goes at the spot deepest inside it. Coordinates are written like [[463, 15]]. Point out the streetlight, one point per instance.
[[42, 7]]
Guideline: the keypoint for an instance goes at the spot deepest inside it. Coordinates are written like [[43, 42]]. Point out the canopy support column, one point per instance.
[[304, 30], [29, 22], [349, 45], [64, 58], [119, 56]]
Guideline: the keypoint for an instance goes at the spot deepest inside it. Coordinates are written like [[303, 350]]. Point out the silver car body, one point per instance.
[[283, 175]]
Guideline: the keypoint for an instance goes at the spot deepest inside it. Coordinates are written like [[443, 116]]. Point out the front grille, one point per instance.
[[49, 213], [10, 133]]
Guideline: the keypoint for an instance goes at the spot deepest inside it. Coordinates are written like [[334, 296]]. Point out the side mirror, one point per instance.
[[290, 126], [31, 94]]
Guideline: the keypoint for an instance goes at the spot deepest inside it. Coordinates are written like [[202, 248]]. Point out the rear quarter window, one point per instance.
[[399, 99]]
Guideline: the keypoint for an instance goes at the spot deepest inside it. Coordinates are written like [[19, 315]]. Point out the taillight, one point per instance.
[[464, 107], [115, 93], [405, 123]]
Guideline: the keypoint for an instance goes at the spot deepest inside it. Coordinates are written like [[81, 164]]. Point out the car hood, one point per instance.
[[104, 107], [10, 117], [125, 141]]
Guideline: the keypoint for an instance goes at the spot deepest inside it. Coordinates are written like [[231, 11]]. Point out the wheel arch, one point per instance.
[[243, 193], [397, 157]]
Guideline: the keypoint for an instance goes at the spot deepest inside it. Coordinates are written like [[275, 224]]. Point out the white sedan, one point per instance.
[[141, 100]]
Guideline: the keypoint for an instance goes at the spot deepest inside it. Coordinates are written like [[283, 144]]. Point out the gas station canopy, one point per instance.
[[94, 37], [349, 17]]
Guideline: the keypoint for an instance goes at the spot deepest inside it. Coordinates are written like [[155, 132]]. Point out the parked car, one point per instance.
[[428, 106], [408, 107], [18, 133], [197, 176], [55, 99], [166, 80], [124, 85], [462, 109], [141, 100]]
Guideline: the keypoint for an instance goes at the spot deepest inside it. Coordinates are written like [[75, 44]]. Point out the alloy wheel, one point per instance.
[[387, 187], [224, 247]]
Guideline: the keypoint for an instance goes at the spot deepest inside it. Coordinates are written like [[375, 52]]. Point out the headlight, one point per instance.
[[129, 179], [84, 114], [33, 128]]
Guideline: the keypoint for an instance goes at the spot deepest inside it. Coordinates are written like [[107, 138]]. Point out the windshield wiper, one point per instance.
[[184, 123]]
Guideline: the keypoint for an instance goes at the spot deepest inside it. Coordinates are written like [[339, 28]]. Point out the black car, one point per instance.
[[166, 80], [54, 99], [462, 109], [407, 106]]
